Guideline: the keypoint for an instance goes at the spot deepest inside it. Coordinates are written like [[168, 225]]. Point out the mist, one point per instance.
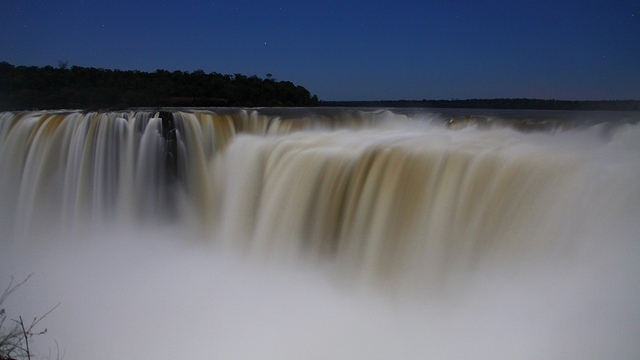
[[145, 295], [527, 247]]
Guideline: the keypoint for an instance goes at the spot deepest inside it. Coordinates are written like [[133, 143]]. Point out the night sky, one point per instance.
[[349, 50]]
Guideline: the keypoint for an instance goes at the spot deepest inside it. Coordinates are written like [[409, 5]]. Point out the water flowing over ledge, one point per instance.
[[413, 198]]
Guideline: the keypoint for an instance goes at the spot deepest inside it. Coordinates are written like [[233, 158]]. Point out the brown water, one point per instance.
[[325, 233]]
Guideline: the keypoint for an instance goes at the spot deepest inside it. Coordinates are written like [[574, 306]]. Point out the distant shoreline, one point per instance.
[[496, 104], [76, 87]]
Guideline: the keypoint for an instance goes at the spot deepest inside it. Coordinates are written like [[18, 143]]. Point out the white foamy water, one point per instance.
[[358, 236]]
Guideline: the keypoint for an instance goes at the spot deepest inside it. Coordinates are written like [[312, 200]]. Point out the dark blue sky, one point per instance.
[[348, 50]]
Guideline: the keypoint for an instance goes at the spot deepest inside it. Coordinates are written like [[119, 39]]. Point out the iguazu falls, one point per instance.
[[323, 233]]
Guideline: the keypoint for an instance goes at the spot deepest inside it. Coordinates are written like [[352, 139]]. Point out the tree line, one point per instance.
[[501, 103], [75, 87]]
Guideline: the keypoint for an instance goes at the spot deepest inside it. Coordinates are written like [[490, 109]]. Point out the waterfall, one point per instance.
[[417, 202]]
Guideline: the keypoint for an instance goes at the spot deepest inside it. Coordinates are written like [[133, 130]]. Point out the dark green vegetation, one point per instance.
[[513, 104], [63, 87]]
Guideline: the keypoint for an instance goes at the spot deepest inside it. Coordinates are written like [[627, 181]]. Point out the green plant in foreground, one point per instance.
[[16, 333]]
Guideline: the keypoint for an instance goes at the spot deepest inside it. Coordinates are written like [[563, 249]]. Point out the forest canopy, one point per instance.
[[75, 87], [88, 88]]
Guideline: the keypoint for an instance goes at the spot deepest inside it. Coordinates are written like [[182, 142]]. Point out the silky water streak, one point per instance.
[[325, 233]]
